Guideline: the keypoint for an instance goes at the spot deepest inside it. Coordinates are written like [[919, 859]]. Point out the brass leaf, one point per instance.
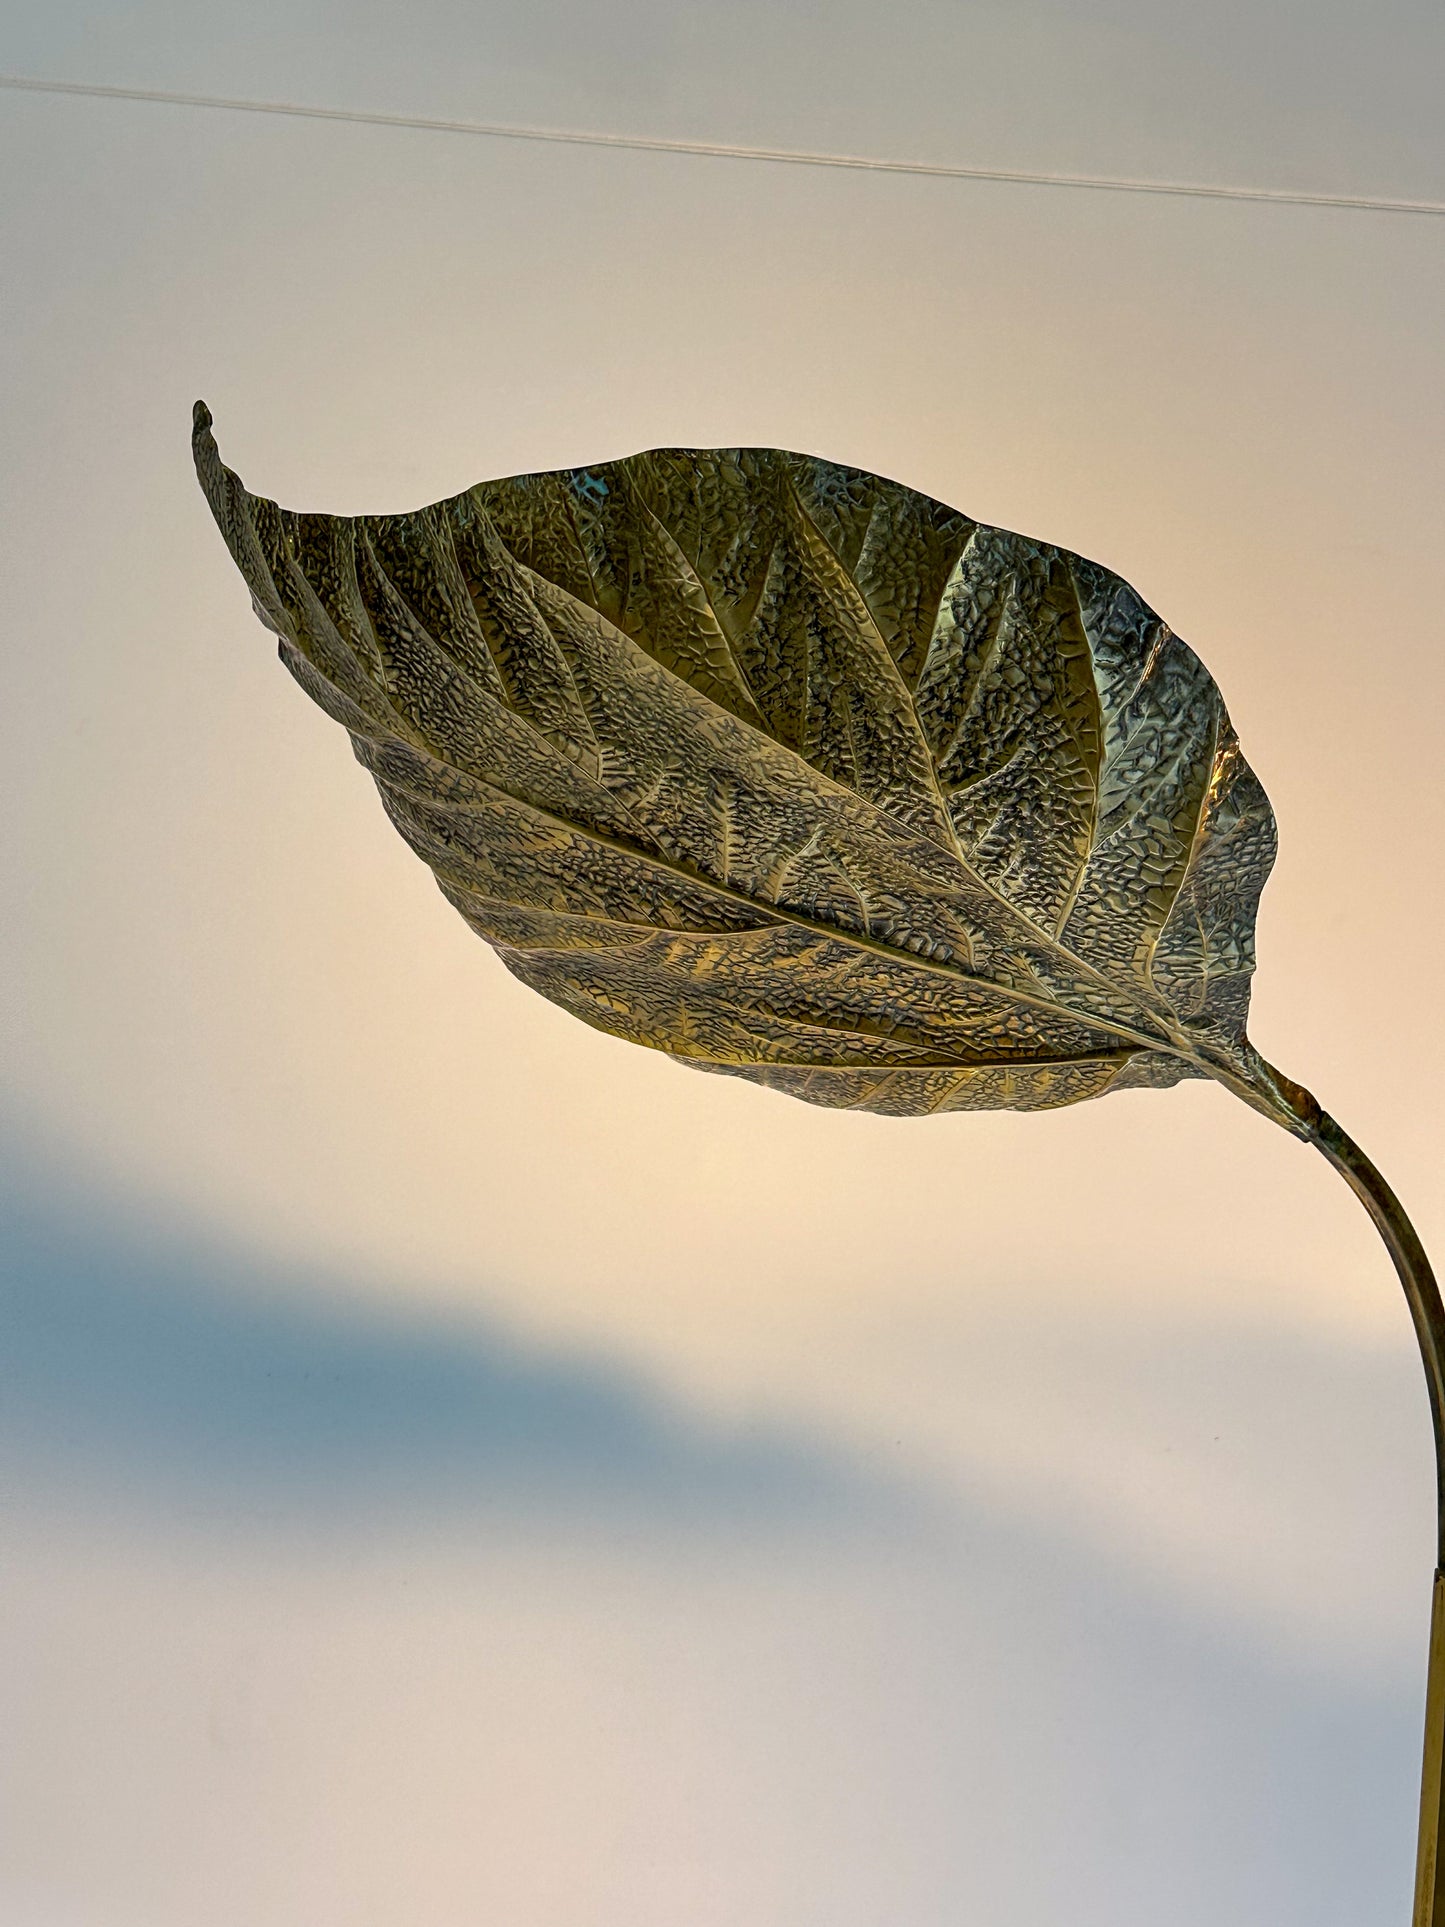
[[794, 773]]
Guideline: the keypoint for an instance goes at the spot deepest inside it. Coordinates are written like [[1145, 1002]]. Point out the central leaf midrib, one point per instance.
[[835, 932]]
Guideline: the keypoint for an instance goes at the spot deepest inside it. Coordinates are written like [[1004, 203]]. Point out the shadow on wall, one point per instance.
[[153, 1369], [964, 1659]]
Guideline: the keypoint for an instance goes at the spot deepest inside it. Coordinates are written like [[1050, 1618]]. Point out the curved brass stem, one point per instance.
[[1421, 1291], [1422, 1294]]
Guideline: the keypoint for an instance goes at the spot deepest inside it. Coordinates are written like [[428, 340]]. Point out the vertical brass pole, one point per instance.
[[1423, 1296], [1429, 1874]]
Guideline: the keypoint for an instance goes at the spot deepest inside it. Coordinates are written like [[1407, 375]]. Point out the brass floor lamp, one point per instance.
[[801, 776]]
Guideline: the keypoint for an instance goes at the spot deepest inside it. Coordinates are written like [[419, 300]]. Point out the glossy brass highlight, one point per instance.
[[801, 776]]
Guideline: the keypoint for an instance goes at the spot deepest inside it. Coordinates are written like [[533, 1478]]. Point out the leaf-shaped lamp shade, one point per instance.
[[799, 775]]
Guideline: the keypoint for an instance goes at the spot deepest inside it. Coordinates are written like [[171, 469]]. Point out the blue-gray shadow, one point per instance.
[[142, 1367], [159, 1367]]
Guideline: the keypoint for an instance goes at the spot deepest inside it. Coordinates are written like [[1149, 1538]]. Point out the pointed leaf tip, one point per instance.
[[204, 452]]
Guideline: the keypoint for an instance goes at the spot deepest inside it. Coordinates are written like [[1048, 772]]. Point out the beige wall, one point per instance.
[[244, 1009]]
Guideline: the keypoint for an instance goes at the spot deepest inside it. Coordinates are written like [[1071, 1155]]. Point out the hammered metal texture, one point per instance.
[[792, 772]]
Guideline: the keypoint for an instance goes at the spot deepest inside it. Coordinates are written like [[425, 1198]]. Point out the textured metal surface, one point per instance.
[[793, 773]]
